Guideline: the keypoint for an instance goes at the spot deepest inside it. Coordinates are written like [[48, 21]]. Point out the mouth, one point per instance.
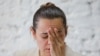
[[48, 49]]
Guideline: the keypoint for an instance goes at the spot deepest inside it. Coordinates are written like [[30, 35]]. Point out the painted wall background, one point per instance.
[[83, 18]]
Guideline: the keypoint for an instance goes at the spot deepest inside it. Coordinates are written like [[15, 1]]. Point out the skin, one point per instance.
[[50, 35]]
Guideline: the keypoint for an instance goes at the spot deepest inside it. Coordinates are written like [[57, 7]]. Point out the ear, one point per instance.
[[33, 32]]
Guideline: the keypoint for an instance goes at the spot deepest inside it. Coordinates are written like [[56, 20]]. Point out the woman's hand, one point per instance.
[[57, 47]]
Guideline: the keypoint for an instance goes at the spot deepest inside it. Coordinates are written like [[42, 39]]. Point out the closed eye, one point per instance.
[[45, 37]]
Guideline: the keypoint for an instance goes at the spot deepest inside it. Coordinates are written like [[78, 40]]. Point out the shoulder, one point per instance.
[[29, 52], [70, 52]]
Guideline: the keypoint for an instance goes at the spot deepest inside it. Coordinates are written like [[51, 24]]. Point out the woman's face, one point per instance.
[[41, 34]]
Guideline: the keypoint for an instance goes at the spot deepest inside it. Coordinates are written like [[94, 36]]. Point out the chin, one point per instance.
[[48, 54]]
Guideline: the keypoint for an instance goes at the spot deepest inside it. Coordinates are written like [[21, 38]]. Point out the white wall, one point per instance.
[[83, 18]]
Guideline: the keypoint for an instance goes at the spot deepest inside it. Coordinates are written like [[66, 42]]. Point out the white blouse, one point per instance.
[[35, 52]]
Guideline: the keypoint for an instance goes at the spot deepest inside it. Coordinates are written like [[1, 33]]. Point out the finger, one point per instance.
[[52, 32], [54, 37], [51, 37], [59, 38], [56, 32]]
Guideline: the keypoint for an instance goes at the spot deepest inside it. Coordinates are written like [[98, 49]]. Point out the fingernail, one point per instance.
[[55, 29], [50, 28]]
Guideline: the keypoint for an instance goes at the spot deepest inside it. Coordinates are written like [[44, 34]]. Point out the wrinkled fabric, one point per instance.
[[35, 52]]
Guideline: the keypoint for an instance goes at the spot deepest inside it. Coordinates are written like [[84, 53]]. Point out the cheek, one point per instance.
[[41, 42]]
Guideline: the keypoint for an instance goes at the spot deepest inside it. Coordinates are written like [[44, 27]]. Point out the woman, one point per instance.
[[49, 30]]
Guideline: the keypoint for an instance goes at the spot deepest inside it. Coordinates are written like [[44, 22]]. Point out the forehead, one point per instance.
[[44, 24]]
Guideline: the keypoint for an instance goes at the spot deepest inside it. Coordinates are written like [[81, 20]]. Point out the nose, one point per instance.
[[49, 42]]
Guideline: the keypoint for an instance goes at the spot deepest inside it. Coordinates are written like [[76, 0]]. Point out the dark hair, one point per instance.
[[49, 11]]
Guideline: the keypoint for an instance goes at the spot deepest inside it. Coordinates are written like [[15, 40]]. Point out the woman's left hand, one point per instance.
[[57, 43]]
